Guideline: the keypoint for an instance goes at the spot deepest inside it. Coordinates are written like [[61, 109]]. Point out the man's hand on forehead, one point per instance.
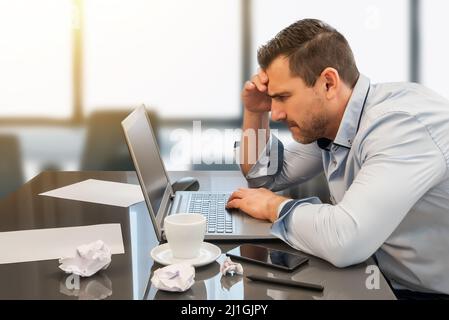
[[260, 80]]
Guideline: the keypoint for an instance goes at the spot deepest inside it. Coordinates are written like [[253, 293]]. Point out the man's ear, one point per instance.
[[332, 82]]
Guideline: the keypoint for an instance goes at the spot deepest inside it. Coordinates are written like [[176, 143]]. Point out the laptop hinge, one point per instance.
[[165, 207]]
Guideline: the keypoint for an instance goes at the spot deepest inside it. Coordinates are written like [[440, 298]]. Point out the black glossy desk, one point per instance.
[[128, 275]]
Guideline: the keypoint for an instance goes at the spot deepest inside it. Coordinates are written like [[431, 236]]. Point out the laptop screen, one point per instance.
[[143, 145]]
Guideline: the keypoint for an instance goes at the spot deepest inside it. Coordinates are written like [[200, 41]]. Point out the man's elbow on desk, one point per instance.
[[353, 250], [344, 255], [334, 237], [346, 258]]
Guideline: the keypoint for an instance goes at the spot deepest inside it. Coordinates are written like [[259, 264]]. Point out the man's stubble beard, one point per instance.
[[317, 130]]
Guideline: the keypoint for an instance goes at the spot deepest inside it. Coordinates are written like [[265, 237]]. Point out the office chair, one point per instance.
[[105, 147], [11, 175]]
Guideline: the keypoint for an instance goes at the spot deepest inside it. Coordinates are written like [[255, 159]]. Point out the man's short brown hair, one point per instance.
[[311, 46]]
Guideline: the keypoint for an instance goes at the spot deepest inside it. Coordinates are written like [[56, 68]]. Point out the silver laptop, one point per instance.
[[162, 201]]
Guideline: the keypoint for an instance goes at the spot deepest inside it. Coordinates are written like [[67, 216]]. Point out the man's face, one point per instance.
[[300, 107]]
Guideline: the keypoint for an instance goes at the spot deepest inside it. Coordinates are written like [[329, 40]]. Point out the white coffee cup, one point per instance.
[[185, 234]]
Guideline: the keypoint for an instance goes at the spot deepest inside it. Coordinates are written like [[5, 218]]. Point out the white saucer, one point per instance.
[[208, 253]]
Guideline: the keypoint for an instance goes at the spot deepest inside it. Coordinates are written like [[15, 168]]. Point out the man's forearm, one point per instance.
[[253, 139]]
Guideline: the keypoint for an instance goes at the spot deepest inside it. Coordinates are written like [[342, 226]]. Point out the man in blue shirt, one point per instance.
[[384, 149]]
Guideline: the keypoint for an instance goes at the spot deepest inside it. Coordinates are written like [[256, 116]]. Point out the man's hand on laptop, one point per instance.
[[258, 203]]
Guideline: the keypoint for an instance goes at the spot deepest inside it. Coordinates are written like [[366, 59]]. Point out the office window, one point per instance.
[[435, 51], [36, 58], [180, 57], [377, 31]]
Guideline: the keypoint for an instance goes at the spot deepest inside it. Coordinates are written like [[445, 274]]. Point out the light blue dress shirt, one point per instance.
[[389, 185]]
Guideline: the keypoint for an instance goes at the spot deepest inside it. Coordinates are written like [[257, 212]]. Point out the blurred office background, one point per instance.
[[70, 71]]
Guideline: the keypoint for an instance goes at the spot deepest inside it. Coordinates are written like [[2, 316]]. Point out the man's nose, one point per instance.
[[277, 114]]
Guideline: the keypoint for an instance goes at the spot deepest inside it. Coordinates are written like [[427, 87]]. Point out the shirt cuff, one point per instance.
[[260, 167], [279, 227], [283, 203], [270, 160]]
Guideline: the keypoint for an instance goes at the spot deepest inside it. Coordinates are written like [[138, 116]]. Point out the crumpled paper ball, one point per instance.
[[90, 258], [177, 277], [230, 267]]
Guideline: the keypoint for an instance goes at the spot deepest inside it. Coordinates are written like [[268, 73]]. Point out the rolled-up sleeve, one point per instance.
[[397, 170], [279, 167]]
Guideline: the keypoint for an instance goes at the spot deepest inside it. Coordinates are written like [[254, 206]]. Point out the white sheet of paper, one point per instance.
[[55, 243], [99, 191]]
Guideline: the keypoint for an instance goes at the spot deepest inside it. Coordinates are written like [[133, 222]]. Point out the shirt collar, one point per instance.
[[351, 118]]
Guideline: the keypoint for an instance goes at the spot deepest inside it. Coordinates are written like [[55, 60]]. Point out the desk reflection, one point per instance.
[[210, 284], [96, 287]]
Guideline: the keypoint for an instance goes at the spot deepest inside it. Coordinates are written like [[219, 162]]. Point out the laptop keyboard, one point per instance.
[[212, 206]]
